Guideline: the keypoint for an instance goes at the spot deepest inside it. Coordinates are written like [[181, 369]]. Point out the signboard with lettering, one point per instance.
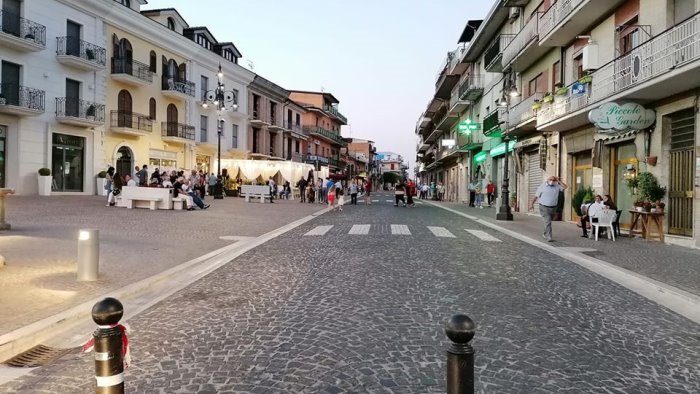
[[613, 117]]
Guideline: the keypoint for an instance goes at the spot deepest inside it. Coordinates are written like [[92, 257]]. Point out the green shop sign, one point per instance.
[[501, 149], [480, 157], [467, 126]]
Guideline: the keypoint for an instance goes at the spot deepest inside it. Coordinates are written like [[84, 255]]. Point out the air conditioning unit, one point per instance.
[[513, 14], [590, 57]]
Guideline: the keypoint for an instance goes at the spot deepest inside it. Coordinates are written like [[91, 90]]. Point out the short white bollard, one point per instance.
[[88, 254]]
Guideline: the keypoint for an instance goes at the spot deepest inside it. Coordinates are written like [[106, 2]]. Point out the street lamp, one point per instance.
[[504, 212], [222, 100]]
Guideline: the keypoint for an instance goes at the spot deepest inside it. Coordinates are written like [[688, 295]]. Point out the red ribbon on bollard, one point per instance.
[[126, 354]]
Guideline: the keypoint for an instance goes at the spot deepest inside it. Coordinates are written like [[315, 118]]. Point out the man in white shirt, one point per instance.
[[591, 210], [548, 196], [130, 181]]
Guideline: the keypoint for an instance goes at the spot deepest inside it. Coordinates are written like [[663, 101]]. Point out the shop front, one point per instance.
[[162, 160], [203, 163], [577, 148], [67, 163]]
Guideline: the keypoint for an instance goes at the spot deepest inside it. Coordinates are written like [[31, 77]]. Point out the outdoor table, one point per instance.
[[3, 193], [647, 221]]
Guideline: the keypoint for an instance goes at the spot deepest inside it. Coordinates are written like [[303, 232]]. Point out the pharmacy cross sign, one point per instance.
[[612, 117]]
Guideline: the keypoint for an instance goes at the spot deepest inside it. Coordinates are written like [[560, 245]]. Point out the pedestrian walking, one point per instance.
[[478, 196], [108, 183], [330, 197], [548, 196], [433, 191], [301, 185], [212, 183], [368, 191], [353, 193], [117, 184], [338, 191], [410, 191], [490, 192], [399, 194], [472, 192]]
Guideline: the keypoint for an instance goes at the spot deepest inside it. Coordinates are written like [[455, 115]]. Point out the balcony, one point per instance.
[[524, 50], [177, 132], [337, 163], [515, 3], [78, 112], [457, 104], [131, 72], [661, 67], [130, 123], [294, 128], [493, 56], [275, 125], [566, 19], [313, 159], [20, 33], [492, 123], [327, 134], [472, 88], [181, 90], [295, 157], [336, 114], [522, 117], [256, 119], [20, 100], [74, 52]]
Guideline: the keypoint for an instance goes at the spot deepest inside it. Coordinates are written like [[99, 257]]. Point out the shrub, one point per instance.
[[581, 196], [102, 174], [44, 171], [649, 188]]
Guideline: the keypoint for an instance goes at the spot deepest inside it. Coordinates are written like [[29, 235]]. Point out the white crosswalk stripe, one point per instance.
[[359, 229], [389, 200], [441, 232], [483, 235], [375, 200], [400, 229], [319, 230]]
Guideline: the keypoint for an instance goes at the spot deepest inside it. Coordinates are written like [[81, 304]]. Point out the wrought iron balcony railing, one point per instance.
[[74, 46], [133, 68], [76, 108], [324, 133], [334, 111], [184, 87], [22, 96], [22, 28], [131, 120], [177, 130], [472, 87]]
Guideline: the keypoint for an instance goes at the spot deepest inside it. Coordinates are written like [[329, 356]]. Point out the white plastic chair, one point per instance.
[[606, 218]]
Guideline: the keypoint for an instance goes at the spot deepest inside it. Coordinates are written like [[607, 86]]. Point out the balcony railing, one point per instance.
[[472, 87], [74, 46], [323, 132], [492, 123], [131, 120], [294, 127], [22, 28], [295, 157], [184, 87], [316, 158], [177, 130], [76, 108], [664, 53], [133, 68], [445, 66], [334, 111], [493, 54], [336, 162], [22, 96], [555, 15], [523, 111], [522, 39]]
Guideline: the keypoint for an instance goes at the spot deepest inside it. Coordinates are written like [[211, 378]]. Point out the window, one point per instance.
[[556, 73], [629, 37], [152, 109], [235, 96], [578, 67], [153, 62], [125, 3], [203, 132], [298, 120], [171, 23], [296, 146], [234, 136], [204, 85]]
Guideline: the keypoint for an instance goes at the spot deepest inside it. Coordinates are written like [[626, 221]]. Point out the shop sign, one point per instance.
[[613, 117], [448, 143]]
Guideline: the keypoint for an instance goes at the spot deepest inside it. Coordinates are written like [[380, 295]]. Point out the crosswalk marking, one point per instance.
[[400, 229], [441, 232], [319, 230], [483, 235], [375, 200], [389, 200], [359, 229]]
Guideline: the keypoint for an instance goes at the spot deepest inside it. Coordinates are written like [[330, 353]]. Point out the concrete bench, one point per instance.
[[255, 191], [146, 197], [179, 203]]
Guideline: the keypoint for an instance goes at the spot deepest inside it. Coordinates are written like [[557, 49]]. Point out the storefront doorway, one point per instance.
[[67, 163], [582, 174], [682, 167], [125, 161], [3, 149], [203, 163], [625, 165]]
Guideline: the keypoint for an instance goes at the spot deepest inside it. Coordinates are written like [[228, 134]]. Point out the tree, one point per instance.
[[390, 177]]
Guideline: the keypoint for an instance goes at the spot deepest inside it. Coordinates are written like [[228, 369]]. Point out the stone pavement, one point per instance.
[[39, 279], [674, 265], [363, 311]]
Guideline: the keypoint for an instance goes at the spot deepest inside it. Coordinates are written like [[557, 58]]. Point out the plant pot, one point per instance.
[[653, 210], [651, 160], [44, 185], [231, 193], [100, 186], [638, 209]]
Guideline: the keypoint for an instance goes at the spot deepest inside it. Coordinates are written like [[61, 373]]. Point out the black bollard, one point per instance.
[[460, 355], [109, 363]]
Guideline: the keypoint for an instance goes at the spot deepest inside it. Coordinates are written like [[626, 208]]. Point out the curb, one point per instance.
[[680, 301]]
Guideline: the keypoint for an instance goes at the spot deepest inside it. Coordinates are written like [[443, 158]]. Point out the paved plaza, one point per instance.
[[355, 301]]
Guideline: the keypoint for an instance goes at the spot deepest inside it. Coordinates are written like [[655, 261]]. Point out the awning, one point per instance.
[[528, 142], [616, 137]]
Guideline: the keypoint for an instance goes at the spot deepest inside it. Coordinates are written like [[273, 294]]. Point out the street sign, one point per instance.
[[468, 126]]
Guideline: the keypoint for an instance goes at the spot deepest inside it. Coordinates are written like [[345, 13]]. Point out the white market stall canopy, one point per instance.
[[252, 169]]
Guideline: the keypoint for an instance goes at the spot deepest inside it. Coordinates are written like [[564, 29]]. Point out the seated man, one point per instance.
[[589, 213], [130, 181]]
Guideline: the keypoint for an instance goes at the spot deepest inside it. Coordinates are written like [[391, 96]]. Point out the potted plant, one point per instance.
[[646, 206], [660, 205], [548, 98], [90, 112], [90, 54], [648, 187], [100, 181], [639, 206], [45, 181], [536, 105], [651, 160], [563, 91], [586, 79], [231, 188], [582, 195]]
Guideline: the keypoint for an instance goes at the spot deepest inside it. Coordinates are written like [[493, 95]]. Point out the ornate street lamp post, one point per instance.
[[222, 100], [504, 212]]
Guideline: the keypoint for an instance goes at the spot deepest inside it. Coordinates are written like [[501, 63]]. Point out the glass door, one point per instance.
[[582, 175], [625, 165], [3, 149], [67, 163]]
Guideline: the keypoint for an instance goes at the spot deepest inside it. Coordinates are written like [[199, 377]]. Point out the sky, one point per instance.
[[380, 58]]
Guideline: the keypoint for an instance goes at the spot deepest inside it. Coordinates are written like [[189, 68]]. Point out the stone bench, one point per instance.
[[146, 197], [255, 191]]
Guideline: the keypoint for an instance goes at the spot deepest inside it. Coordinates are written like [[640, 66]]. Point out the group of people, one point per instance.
[[192, 187], [432, 191], [329, 191], [404, 193], [476, 190], [590, 208]]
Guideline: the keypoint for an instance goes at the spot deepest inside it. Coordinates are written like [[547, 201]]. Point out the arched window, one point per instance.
[[182, 72], [172, 113], [172, 69], [153, 66], [124, 109], [152, 109], [171, 23]]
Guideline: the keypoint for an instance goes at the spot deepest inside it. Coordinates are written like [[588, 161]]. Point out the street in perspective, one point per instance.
[[178, 217]]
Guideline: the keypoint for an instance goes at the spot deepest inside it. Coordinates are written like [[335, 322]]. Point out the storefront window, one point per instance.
[[67, 163], [582, 174], [203, 163], [625, 166], [162, 164]]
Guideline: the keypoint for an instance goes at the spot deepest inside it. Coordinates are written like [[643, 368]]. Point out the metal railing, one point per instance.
[[316, 158], [555, 15], [661, 54], [295, 157], [256, 115], [76, 108], [22, 28], [334, 111], [184, 87], [133, 68], [521, 40], [74, 46], [22, 96], [323, 132], [472, 87], [492, 121], [294, 127], [523, 111], [491, 55], [177, 130], [131, 120]]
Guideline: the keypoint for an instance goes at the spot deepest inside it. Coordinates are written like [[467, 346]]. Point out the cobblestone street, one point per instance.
[[337, 306]]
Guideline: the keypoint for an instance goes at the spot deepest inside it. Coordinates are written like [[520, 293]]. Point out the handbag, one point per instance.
[[116, 192]]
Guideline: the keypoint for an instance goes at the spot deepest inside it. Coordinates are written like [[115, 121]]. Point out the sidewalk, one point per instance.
[[673, 265], [39, 279]]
